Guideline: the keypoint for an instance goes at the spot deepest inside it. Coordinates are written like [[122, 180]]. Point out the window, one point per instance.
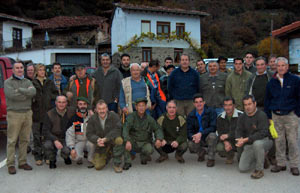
[[177, 54], [17, 38], [163, 29], [147, 54], [146, 26], [180, 28]]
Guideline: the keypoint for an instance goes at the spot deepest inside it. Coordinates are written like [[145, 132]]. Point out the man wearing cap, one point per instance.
[[76, 134], [137, 133], [80, 86], [104, 131]]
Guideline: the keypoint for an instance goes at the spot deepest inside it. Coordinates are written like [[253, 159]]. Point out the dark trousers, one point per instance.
[[51, 150], [37, 141]]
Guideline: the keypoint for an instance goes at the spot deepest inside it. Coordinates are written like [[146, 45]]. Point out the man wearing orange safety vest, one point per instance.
[[157, 96], [81, 85]]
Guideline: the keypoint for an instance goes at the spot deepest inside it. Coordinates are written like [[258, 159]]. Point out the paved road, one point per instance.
[[169, 176]]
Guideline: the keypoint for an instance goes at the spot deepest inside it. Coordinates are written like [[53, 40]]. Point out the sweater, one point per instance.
[[18, 94], [183, 85], [254, 127]]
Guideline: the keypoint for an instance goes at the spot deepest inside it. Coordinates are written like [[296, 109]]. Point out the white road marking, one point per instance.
[[3, 163]]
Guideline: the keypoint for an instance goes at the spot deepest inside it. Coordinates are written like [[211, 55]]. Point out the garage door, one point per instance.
[[74, 59]]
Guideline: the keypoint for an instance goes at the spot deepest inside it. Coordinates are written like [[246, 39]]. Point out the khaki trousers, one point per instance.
[[19, 126]]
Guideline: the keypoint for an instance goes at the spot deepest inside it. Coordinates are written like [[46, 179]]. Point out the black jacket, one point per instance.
[[208, 122], [42, 102]]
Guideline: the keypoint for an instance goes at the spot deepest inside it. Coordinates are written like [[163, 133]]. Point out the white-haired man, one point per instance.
[[132, 88]]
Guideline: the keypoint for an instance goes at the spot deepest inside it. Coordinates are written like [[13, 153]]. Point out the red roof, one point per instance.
[[286, 29], [161, 9], [19, 19], [70, 21]]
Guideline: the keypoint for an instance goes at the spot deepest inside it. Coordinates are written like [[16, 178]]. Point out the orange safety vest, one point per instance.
[[161, 93], [87, 86]]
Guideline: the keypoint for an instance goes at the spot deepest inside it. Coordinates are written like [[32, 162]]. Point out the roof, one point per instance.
[[286, 29], [161, 9], [19, 19], [70, 21]]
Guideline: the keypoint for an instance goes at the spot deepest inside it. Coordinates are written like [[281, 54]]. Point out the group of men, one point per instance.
[[116, 113]]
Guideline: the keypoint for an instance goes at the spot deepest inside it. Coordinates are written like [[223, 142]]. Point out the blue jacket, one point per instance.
[[63, 83], [284, 99], [183, 85], [208, 121]]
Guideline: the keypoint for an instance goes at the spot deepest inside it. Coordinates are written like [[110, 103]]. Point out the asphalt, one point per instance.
[[169, 176]]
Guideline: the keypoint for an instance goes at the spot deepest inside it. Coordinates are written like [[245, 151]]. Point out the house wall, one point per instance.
[[8, 31], [47, 56], [158, 53], [126, 24]]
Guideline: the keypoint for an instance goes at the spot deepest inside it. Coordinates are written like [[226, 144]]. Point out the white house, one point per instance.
[[15, 32], [132, 20]]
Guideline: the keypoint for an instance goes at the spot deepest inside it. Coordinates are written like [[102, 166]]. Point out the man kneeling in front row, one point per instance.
[[104, 131], [174, 129], [137, 132], [253, 134]]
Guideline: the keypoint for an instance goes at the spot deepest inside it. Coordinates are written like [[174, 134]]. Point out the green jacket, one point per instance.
[[236, 87], [174, 130], [140, 129], [18, 94], [111, 130], [213, 93]]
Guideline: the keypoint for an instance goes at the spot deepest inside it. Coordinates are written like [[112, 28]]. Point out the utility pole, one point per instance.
[[271, 37]]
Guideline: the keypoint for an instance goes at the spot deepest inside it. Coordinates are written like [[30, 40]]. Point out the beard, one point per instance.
[[82, 110]]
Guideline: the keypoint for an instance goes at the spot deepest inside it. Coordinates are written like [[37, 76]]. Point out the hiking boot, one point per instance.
[[201, 156], [126, 166], [12, 170], [257, 174], [162, 158], [68, 161], [144, 162], [179, 158], [210, 163], [295, 171], [118, 169], [148, 158], [25, 167], [52, 164], [47, 161], [39, 162], [79, 162], [277, 169], [229, 161]]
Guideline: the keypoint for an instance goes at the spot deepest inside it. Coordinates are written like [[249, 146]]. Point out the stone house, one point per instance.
[[147, 33]]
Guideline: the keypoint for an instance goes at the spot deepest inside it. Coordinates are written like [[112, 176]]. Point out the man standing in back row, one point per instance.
[[183, 84], [19, 92]]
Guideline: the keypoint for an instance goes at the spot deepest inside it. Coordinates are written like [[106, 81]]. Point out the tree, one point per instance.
[[264, 47]]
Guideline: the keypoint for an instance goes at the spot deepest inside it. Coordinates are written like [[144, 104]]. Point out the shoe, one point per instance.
[[179, 158], [295, 171], [266, 163], [201, 157], [273, 161], [39, 162], [257, 174], [118, 169], [162, 158], [229, 161], [68, 161], [210, 163], [148, 158], [25, 167], [144, 162], [12, 170], [79, 162], [52, 164], [277, 169], [90, 165], [126, 166], [85, 154], [47, 161]]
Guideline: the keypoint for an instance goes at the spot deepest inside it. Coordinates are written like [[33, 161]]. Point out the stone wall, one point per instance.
[[158, 53]]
